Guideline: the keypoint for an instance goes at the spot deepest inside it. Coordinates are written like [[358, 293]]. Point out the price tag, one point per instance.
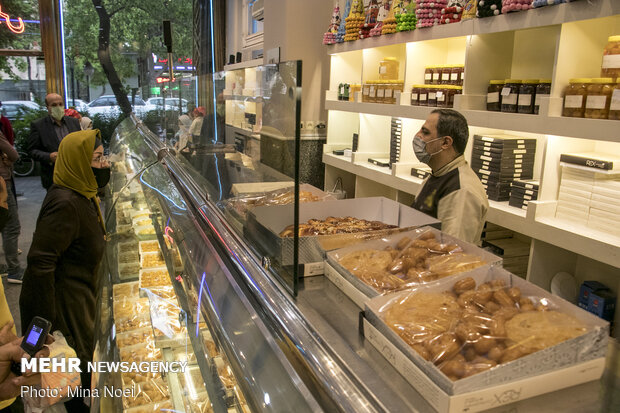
[[506, 91], [615, 100], [493, 97]]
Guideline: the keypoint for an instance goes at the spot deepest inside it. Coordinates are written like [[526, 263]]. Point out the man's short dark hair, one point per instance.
[[452, 123]]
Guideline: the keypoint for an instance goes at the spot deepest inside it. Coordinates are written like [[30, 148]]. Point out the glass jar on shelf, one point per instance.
[[381, 87], [598, 98], [494, 97], [372, 92], [423, 99], [388, 68], [353, 89], [415, 94], [543, 90], [575, 97], [510, 95], [611, 58], [428, 75], [446, 72], [443, 95], [436, 74], [526, 99], [365, 92], [614, 107], [432, 95], [456, 75], [456, 90], [389, 92]]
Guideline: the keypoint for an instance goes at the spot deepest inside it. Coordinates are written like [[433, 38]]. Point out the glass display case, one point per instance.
[[198, 270]]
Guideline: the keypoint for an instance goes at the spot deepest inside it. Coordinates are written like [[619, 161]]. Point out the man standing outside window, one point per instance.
[[46, 134], [452, 193]]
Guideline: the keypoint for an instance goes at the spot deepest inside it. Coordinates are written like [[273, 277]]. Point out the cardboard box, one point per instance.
[[438, 389], [493, 396], [265, 223], [359, 291]]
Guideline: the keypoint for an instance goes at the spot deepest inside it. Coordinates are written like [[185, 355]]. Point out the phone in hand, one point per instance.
[[36, 335]]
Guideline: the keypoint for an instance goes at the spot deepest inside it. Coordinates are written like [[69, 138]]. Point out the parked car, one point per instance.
[[171, 103], [78, 104], [107, 105], [15, 109]]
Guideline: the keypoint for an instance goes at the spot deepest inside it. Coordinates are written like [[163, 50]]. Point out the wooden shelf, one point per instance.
[[544, 16], [593, 129]]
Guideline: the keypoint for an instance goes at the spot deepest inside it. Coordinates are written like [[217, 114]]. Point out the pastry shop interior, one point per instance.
[[279, 255]]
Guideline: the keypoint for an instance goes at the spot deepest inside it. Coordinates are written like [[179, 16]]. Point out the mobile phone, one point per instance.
[[35, 336]]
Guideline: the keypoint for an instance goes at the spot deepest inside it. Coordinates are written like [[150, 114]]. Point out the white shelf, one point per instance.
[[242, 131], [544, 16], [594, 129], [257, 99], [243, 65], [579, 239]]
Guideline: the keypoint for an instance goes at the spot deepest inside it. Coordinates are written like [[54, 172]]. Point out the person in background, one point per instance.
[[12, 228], [7, 128], [86, 123], [196, 127], [452, 192], [183, 133], [60, 282], [46, 134]]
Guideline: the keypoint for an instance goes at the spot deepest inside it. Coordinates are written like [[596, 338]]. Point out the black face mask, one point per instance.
[[102, 176]]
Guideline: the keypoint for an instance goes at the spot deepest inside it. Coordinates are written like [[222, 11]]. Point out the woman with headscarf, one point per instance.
[[67, 246], [183, 133], [194, 130], [86, 123]]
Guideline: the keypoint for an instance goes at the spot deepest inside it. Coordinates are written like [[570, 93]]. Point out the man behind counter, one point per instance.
[[452, 193]]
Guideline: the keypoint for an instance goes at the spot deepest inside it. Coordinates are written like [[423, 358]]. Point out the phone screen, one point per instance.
[[34, 335]]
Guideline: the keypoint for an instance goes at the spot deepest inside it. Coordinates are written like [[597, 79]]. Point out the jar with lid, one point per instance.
[[345, 93], [428, 75], [446, 73], [611, 58], [456, 75], [372, 93], [510, 95], [365, 92], [353, 89], [527, 94], [432, 95], [381, 87], [575, 97], [494, 97], [415, 95], [543, 90], [423, 98], [614, 107], [388, 96], [457, 90], [598, 98], [443, 95], [340, 91], [388, 68], [436, 74]]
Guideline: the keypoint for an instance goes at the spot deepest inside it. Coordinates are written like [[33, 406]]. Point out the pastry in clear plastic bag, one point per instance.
[[473, 328], [335, 225], [146, 393]]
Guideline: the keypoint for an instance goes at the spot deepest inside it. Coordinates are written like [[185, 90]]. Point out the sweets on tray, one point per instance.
[[472, 328], [126, 307], [132, 323], [333, 225], [128, 290], [413, 261], [147, 392], [149, 246], [154, 277], [132, 338], [152, 259], [278, 197]]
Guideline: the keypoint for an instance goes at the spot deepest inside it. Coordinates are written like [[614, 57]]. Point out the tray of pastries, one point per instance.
[[468, 331], [329, 225], [403, 260], [154, 277]]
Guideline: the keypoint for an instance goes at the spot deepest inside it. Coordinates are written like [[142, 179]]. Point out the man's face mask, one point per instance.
[[419, 148], [58, 112]]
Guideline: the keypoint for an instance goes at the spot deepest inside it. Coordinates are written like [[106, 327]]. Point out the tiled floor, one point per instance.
[[29, 205]]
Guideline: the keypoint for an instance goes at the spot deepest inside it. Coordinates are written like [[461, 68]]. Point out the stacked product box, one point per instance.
[[395, 138], [522, 191], [589, 196], [421, 173], [514, 252], [498, 160]]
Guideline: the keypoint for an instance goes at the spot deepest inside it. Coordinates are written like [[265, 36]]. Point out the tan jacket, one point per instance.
[[455, 196]]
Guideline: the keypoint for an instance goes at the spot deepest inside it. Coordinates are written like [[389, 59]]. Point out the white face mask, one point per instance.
[[419, 148]]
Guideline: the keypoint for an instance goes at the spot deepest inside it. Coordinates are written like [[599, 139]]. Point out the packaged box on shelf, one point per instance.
[[573, 206], [568, 199], [601, 204], [598, 299], [264, 225], [609, 195], [568, 360], [509, 247], [503, 140], [529, 184], [592, 160], [374, 254]]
